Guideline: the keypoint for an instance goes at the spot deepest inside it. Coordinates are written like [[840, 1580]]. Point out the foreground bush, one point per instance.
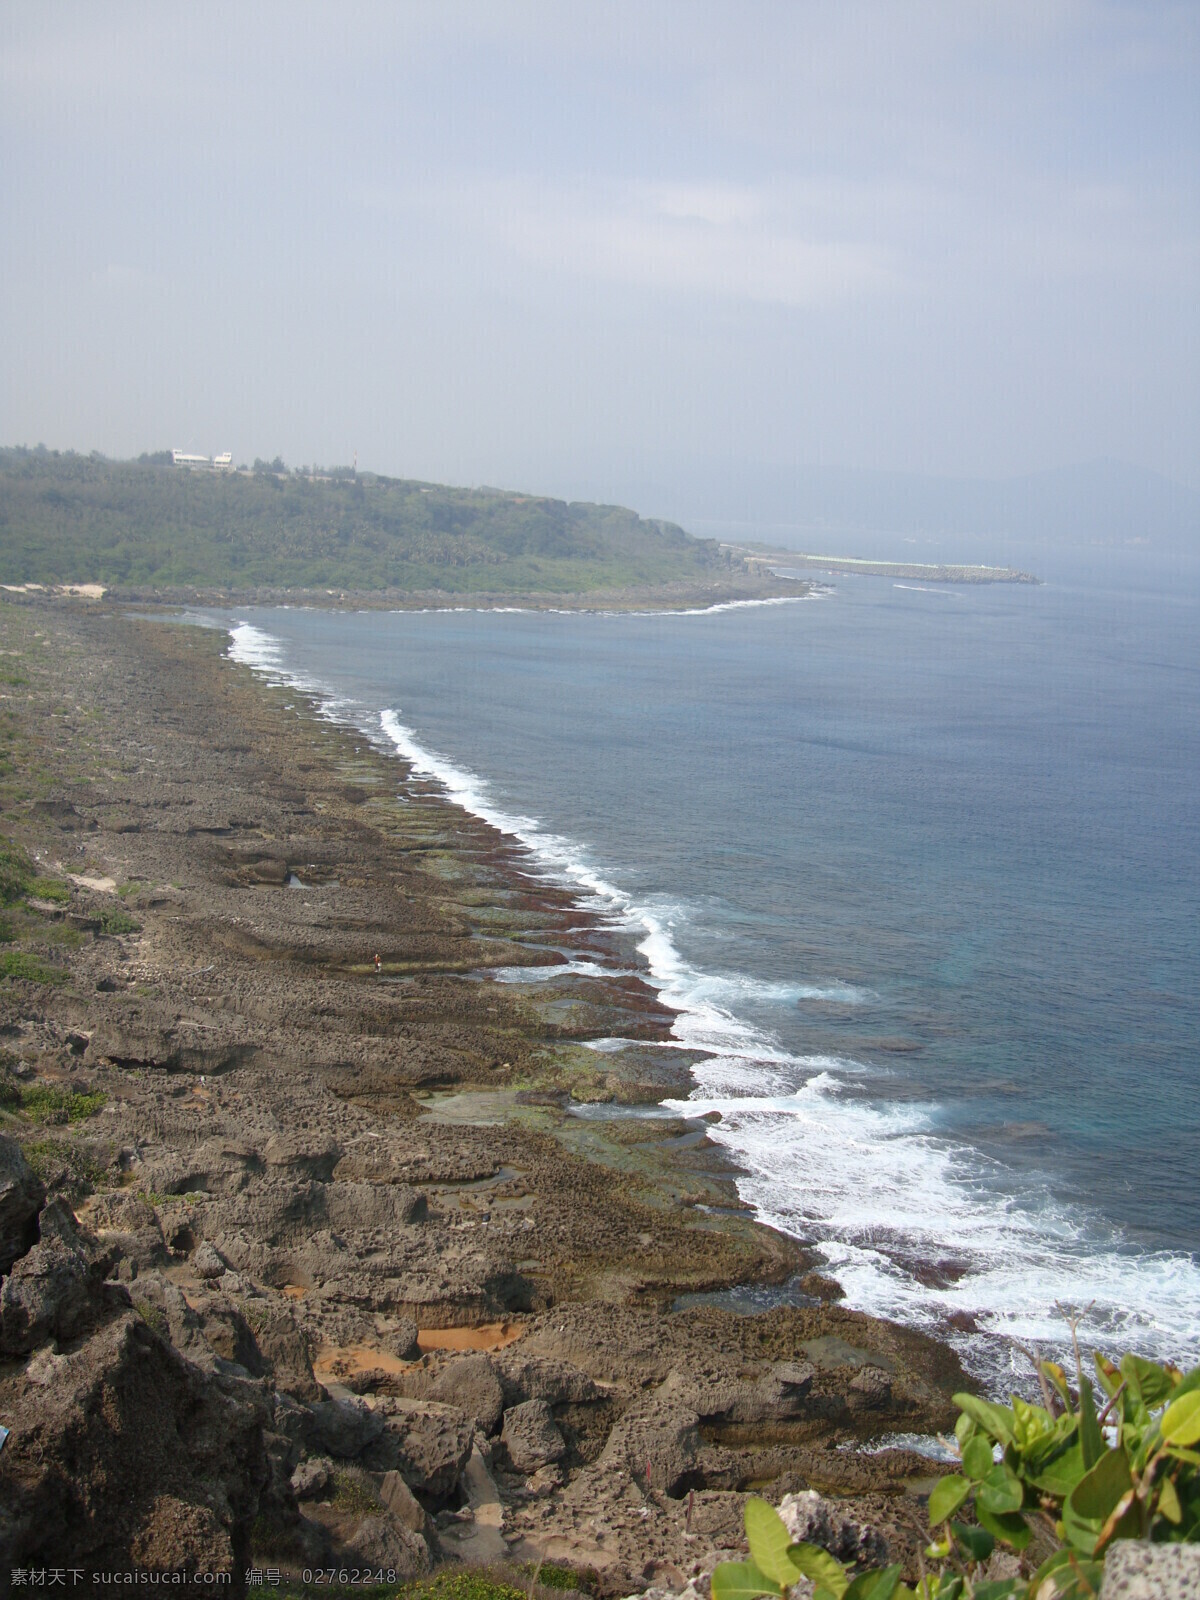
[[1082, 1476]]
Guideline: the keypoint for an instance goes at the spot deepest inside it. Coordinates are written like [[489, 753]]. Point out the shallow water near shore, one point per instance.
[[916, 869]]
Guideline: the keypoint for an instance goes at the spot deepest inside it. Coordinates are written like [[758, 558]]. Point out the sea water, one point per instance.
[[916, 866]]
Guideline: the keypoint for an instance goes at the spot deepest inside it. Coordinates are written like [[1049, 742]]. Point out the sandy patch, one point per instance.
[[85, 880], [85, 591], [336, 1363], [487, 1336]]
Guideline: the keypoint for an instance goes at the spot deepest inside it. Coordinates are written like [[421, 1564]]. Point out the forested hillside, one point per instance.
[[137, 525]]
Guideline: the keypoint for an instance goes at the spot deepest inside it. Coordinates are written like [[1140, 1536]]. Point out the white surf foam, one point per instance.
[[870, 1184]]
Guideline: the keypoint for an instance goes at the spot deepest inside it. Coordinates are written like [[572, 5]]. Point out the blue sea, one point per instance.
[[915, 865]]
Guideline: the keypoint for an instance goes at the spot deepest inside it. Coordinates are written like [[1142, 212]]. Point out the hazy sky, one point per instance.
[[574, 246]]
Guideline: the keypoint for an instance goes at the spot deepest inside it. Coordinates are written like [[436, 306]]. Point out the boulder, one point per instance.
[[312, 1478], [470, 1382], [531, 1437], [285, 1347], [427, 1443], [56, 1290], [811, 1519], [208, 1262], [343, 1428], [656, 1439], [402, 1503], [21, 1196], [380, 1541]]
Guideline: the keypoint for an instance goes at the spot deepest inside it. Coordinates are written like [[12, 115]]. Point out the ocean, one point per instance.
[[915, 865]]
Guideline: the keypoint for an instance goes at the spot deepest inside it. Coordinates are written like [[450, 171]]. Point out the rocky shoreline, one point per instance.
[[308, 1260]]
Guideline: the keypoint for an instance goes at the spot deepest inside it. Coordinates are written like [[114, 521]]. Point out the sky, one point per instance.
[[593, 249]]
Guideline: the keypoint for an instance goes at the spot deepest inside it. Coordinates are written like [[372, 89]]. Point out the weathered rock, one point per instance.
[[311, 1478], [21, 1196], [125, 1222], [65, 815], [426, 1442], [869, 1390], [533, 1377], [208, 1262], [403, 1504], [531, 1437], [657, 1439], [312, 1154], [285, 1347], [470, 1382], [129, 1456], [812, 1519], [343, 1428], [137, 1041], [55, 1291], [1137, 1571], [778, 1394], [380, 1541]]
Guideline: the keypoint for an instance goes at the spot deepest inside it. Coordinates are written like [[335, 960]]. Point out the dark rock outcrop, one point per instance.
[[21, 1194]]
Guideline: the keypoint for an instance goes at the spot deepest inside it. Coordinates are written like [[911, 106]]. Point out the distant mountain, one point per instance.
[[878, 513]]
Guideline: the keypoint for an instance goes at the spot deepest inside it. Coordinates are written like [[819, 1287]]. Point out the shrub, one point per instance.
[[1056, 1468], [51, 1102]]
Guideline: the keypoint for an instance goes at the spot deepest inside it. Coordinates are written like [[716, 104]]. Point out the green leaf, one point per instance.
[[964, 1429], [1188, 1383], [1000, 1492], [769, 1543], [1090, 1436], [1059, 1473], [1181, 1420], [1010, 1526], [948, 1494], [1109, 1375], [1149, 1379], [878, 1585], [1168, 1501], [977, 1542], [993, 1419], [741, 1580], [1093, 1499], [824, 1570], [977, 1458], [999, 1589]]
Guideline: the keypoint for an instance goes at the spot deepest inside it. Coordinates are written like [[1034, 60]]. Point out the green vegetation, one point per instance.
[[61, 1164], [29, 969], [117, 921], [66, 518], [1058, 1475], [16, 873], [51, 1102]]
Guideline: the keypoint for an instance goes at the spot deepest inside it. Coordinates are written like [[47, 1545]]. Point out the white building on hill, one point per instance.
[[221, 463]]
